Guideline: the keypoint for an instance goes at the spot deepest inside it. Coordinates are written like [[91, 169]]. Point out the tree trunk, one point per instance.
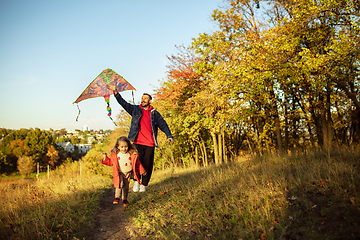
[[294, 121], [216, 149], [312, 141], [249, 144], [206, 162], [317, 122], [286, 139], [326, 123], [275, 114], [163, 164], [267, 147], [354, 126], [202, 153], [325, 133], [192, 161], [349, 94], [326, 117], [220, 148], [196, 156], [224, 147], [172, 157], [181, 156]]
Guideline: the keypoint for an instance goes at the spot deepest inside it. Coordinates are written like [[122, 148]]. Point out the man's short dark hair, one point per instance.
[[148, 95]]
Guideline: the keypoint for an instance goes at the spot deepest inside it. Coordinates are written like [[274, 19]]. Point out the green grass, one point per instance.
[[305, 197]]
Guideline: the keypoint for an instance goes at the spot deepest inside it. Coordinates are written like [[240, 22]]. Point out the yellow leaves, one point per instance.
[[304, 51], [52, 152], [244, 61]]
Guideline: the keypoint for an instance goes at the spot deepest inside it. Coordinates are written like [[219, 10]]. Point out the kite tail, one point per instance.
[[77, 118], [132, 93], [108, 107]]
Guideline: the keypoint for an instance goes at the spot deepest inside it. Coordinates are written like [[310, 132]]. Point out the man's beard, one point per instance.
[[145, 104]]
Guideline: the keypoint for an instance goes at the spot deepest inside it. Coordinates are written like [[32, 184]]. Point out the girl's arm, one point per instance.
[[106, 160]]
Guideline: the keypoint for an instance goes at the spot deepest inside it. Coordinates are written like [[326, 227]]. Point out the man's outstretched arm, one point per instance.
[[127, 106]]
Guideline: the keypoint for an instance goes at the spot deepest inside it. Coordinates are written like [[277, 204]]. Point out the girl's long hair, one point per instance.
[[131, 147]]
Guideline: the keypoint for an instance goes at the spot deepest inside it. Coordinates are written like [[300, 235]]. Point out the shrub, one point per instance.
[[26, 165]]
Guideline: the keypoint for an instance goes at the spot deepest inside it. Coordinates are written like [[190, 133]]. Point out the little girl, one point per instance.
[[126, 165]]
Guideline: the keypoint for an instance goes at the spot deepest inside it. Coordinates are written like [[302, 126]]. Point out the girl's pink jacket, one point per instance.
[[138, 169]]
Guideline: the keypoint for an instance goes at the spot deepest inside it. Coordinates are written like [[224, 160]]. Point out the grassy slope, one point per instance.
[[309, 197]]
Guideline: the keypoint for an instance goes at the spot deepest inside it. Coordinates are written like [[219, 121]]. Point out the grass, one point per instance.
[[54, 208], [298, 197], [303, 197]]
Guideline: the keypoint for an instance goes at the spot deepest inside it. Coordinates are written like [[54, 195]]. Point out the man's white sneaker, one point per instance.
[[136, 186], [142, 188]]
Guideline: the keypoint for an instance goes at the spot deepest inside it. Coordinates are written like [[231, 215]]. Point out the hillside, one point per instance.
[[305, 197], [300, 197]]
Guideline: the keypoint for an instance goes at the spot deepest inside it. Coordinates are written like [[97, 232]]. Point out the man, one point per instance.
[[144, 126]]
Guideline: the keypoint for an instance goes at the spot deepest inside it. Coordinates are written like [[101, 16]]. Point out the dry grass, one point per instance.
[[303, 197], [300, 197], [54, 208]]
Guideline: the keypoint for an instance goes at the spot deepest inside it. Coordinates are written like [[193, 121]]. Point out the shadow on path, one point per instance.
[[110, 222]]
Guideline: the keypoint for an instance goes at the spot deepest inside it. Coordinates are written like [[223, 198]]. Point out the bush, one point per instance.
[[26, 165], [91, 163]]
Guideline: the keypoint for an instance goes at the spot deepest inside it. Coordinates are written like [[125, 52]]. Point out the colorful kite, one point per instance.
[[97, 88]]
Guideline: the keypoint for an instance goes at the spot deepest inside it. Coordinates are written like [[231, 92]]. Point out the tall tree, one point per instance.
[[9, 158], [38, 141]]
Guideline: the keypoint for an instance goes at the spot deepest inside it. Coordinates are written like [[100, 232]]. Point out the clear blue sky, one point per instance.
[[51, 50]]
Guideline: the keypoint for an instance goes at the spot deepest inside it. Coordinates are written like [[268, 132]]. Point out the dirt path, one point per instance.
[[110, 222]]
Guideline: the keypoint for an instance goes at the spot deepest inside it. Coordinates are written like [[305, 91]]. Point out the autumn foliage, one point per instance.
[[19, 146], [275, 77]]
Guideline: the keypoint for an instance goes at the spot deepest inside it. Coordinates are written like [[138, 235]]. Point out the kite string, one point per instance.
[[77, 118]]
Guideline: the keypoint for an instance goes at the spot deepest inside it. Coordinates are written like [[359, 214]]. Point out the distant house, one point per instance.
[[99, 136], [67, 146], [83, 148], [91, 140]]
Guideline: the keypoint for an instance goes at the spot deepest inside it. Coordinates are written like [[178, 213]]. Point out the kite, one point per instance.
[[97, 88]]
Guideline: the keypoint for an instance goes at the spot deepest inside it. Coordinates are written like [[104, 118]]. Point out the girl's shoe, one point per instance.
[[116, 201], [125, 202], [142, 188], [136, 186]]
